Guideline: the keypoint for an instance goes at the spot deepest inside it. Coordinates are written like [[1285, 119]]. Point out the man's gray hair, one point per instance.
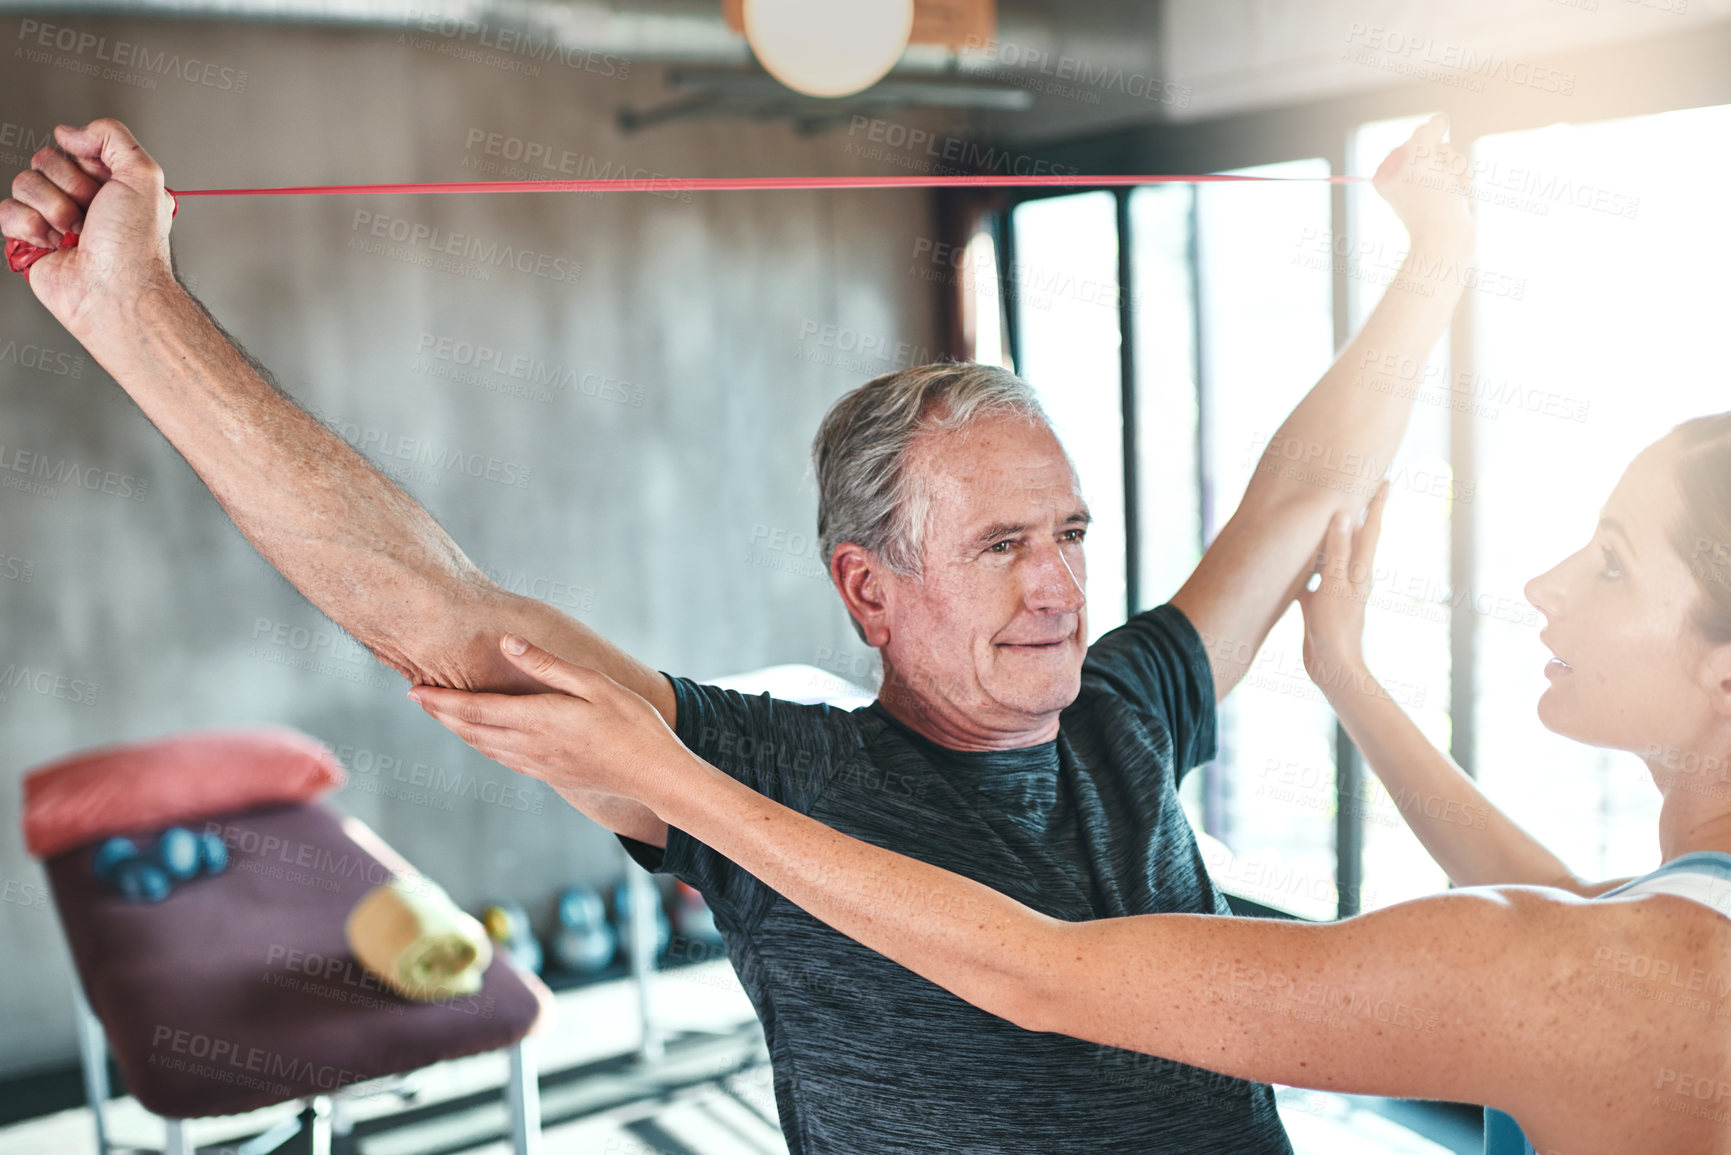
[[866, 493]]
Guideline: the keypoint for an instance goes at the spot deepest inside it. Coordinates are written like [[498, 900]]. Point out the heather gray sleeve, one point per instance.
[[782, 750], [1157, 663]]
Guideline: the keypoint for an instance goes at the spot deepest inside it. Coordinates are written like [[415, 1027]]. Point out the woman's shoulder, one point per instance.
[[1621, 1001], [1647, 964], [1685, 906]]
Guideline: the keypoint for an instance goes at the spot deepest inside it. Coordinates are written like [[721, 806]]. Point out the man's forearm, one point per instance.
[[1328, 456], [357, 546], [1338, 442], [353, 543]]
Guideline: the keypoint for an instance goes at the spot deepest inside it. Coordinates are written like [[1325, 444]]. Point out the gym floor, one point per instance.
[[708, 1094]]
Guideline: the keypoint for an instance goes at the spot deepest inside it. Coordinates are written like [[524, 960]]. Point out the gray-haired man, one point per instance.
[[1001, 746]]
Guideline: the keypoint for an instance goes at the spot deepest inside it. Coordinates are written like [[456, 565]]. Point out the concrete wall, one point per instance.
[[653, 494]]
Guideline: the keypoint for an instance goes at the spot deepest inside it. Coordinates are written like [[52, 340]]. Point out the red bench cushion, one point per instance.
[[146, 786]]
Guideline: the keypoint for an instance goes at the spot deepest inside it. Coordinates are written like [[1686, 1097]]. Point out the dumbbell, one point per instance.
[[586, 943], [622, 917], [179, 855], [125, 868], [507, 924]]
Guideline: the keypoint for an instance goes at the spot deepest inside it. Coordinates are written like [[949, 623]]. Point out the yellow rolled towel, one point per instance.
[[410, 934]]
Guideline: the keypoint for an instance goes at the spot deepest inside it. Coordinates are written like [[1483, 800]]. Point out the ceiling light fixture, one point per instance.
[[828, 48]]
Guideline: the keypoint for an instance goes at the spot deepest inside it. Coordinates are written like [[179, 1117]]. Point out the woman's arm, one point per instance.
[[1434, 998], [1409, 1001], [1474, 841]]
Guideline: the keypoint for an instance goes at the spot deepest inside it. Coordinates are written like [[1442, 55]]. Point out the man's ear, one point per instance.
[[859, 578], [1717, 678]]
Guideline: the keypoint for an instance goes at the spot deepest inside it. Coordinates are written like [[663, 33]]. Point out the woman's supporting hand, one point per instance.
[[1334, 611], [1471, 839], [589, 734]]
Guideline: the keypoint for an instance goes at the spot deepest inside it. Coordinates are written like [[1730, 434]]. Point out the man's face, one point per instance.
[[987, 646]]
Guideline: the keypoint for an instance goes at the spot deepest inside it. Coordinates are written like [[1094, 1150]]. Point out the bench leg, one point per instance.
[[177, 1142], [307, 1133], [523, 1100], [93, 1056], [640, 940], [316, 1125]]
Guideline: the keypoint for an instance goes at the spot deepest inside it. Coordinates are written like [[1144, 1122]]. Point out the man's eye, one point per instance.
[[1000, 546], [1075, 535], [1613, 564]]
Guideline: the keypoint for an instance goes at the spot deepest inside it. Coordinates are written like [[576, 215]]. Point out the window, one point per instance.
[[1265, 301], [1595, 301], [982, 300], [1407, 625], [1616, 237], [1162, 306], [1065, 281]]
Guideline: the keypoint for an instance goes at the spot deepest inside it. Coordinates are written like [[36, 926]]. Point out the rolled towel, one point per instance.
[[410, 934]]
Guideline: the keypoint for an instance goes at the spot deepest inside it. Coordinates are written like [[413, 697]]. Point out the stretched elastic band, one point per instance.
[[755, 184], [20, 254]]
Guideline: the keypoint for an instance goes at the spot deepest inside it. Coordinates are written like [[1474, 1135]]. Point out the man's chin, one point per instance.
[[1031, 695]]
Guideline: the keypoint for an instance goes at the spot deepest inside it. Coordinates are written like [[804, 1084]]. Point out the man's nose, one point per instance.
[[1054, 587]]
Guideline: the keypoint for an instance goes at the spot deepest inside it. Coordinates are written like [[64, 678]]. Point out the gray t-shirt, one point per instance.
[[869, 1057]]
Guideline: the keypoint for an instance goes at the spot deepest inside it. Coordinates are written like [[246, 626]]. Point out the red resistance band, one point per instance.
[[21, 254]]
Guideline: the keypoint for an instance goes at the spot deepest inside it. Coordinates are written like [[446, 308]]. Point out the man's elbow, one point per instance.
[[451, 640]]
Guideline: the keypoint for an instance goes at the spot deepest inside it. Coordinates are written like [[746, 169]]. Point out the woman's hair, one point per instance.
[[1703, 534]]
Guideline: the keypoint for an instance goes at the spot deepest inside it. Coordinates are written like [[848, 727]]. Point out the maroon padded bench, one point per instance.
[[239, 990]]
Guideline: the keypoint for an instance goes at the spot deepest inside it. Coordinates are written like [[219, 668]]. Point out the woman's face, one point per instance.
[[1629, 671]]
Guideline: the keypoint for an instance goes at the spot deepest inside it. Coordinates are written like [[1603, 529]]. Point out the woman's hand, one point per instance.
[[1334, 610], [1428, 185], [591, 734]]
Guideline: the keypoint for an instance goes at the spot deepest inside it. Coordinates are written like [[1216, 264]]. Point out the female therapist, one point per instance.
[[1592, 1013]]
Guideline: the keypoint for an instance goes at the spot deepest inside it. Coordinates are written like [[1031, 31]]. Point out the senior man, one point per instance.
[[1001, 746]]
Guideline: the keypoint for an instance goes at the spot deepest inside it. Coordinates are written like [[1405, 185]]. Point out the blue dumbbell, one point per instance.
[[212, 852], [622, 915], [186, 855], [586, 943], [178, 855], [111, 854], [179, 852], [140, 879], [507, 924], [136, 876]]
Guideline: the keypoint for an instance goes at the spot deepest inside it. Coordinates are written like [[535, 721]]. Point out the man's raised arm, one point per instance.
[[1329, 454], [357, 546]]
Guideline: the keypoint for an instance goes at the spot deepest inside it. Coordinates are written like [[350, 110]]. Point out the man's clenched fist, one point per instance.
[[102, 186]]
